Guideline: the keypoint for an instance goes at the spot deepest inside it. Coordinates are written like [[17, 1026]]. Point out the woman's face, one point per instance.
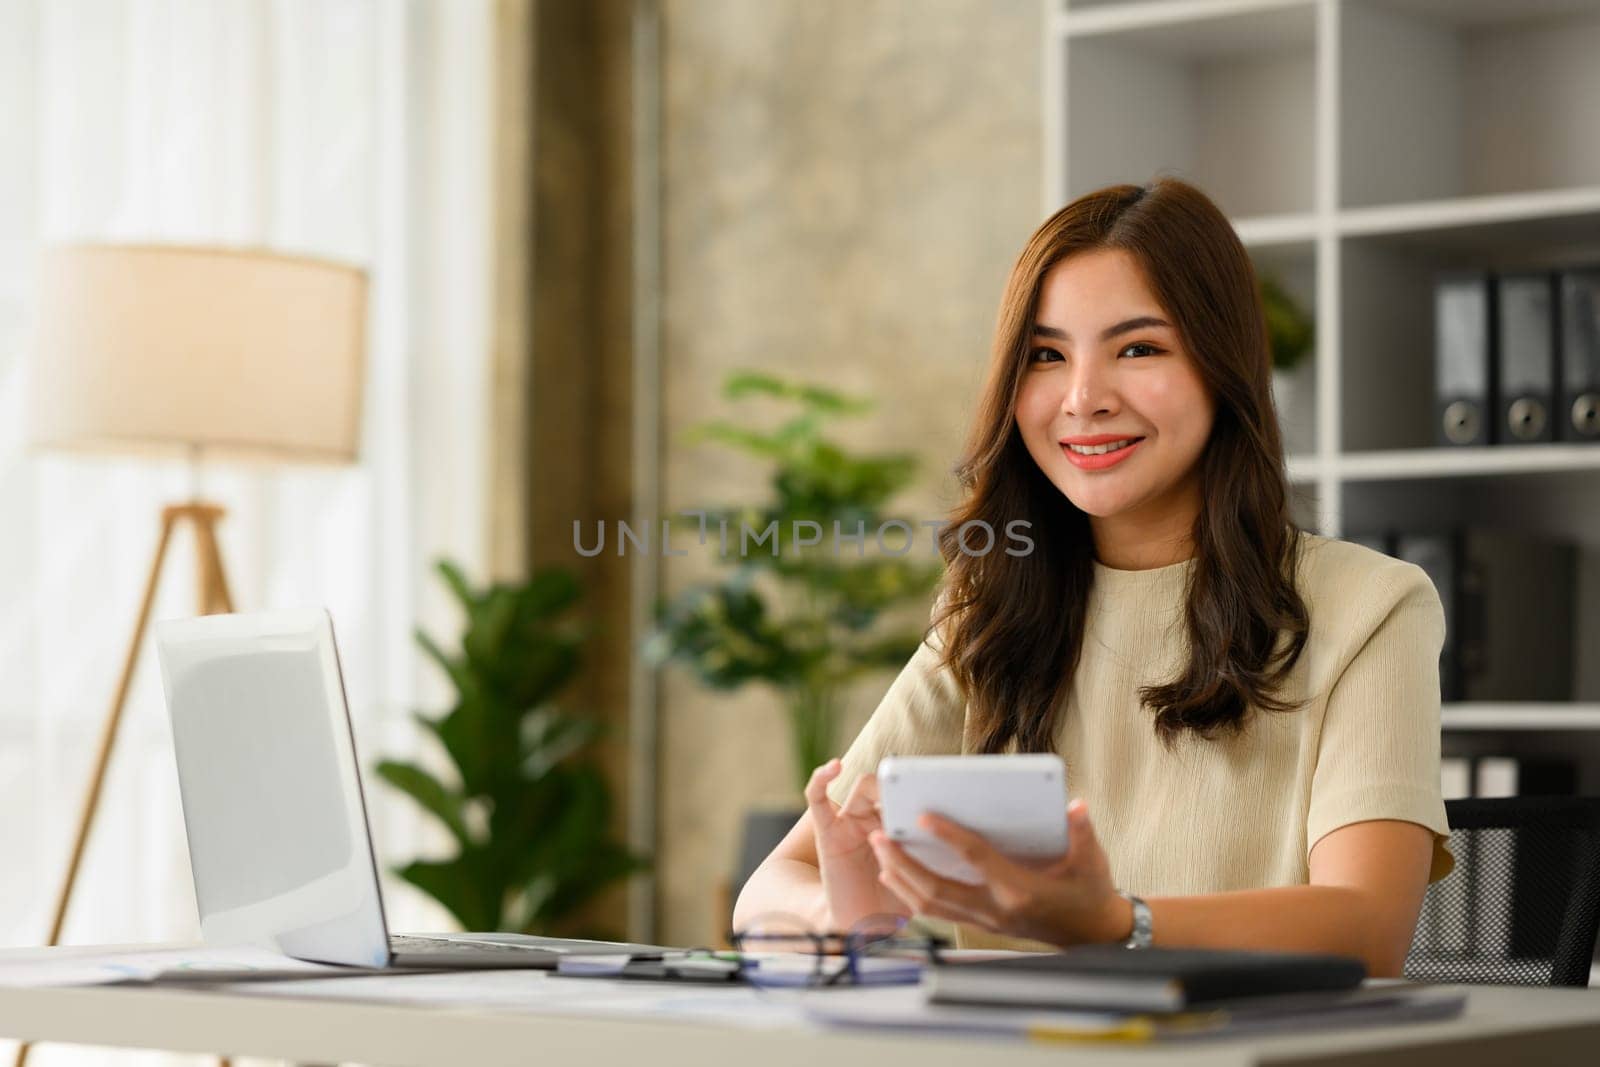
[[1106, 362]]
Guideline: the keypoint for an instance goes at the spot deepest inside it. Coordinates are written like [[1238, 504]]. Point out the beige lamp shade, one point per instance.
[[241, 354]]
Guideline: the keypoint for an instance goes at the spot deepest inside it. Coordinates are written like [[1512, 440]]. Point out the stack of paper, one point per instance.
[[165, 965]]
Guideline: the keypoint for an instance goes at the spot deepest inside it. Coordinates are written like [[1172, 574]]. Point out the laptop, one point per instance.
[[279, 844]]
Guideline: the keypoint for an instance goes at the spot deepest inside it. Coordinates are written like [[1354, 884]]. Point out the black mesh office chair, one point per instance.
[[1523, 903]]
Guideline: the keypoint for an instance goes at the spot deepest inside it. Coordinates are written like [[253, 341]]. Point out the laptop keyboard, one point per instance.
[[421, 946]]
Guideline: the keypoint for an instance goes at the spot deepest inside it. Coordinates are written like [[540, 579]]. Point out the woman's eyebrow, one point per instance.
[[1138, 323]]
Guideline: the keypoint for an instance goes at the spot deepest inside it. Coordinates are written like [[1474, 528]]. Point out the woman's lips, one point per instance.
[[1100, 463]]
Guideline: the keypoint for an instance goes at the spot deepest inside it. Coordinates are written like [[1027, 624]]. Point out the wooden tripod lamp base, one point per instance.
[[213, 598]]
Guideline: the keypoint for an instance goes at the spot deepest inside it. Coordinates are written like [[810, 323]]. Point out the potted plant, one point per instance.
[[1292, 339], [802, 620], [528, 811]]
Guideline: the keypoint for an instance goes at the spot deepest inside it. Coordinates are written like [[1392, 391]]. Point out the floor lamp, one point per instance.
[[207, 353]]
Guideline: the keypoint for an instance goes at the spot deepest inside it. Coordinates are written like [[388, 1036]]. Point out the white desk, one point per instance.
[[1500, 1025]]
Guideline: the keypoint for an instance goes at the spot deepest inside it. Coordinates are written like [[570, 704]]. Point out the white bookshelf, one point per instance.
[[1362, 147], [1530, 716], [1412, 463]]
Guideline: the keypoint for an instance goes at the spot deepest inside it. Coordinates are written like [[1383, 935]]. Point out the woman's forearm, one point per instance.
[[1307, 918], [791, 887]]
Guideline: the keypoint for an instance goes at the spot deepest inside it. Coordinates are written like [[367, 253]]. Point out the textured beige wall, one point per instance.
[[564, 335], [846, 184]]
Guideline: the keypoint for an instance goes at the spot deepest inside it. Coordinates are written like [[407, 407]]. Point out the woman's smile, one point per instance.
[[1100, 457]]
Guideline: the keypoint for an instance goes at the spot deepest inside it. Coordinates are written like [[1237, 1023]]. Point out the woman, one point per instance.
[[1250, 712]]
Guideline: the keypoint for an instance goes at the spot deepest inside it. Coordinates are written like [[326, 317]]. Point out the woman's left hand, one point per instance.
[[1072, 901]]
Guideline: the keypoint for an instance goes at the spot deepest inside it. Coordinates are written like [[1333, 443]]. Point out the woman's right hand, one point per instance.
[[844, 854]]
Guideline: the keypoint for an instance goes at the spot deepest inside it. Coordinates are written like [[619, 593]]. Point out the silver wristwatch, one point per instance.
[[1141, 936]]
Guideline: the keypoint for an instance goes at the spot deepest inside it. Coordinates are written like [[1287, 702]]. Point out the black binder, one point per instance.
[[1578, 414], [1510, 608], [1525, 347], [1439, 555], [1377, 540], [1521, 603], [1464, 367]]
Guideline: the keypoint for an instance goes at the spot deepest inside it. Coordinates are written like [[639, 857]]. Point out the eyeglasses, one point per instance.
[[876, 935]]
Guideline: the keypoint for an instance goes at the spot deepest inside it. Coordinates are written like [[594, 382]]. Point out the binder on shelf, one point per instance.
[[1525, 348], [1518, 616], [1512, 776], [1495, 776], [1578, 413], [1377, 540], [1464, 367], [1507, 776], [1510, 610], [1439, 555]]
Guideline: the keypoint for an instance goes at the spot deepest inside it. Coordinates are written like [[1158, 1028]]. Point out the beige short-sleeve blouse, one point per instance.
[[1242, 811]]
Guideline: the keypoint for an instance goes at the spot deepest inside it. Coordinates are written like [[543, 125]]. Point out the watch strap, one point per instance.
[[1141, 936]]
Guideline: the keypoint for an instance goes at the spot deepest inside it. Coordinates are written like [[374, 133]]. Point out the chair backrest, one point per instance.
[[1523, 903]]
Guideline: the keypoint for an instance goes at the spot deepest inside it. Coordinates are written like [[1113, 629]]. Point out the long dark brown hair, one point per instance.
[[1014, 625]]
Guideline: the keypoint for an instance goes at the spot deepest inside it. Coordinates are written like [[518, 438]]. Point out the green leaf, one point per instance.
[[603, 865], [548, 593], [532, 910], [550, 738], [750, 383], [537, 670], [436, 798], [587, 863], [463, 886], [456, 672], [484, 641], [1290, 331], [735, 437], [473, 737], [458, 584]]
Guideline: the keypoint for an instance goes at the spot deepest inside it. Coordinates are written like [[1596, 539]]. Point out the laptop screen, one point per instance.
[[272, 804]]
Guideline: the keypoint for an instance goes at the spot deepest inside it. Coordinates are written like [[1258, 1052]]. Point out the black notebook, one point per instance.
[[1113, 978]]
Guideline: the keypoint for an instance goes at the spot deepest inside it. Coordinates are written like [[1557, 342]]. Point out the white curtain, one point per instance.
[[358, 129]]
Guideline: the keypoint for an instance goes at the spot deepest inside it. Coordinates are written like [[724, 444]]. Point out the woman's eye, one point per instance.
[[1140, 348], [1043, 355]]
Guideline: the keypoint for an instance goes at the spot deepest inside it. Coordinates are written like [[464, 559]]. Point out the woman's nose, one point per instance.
[[1089, 390]]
